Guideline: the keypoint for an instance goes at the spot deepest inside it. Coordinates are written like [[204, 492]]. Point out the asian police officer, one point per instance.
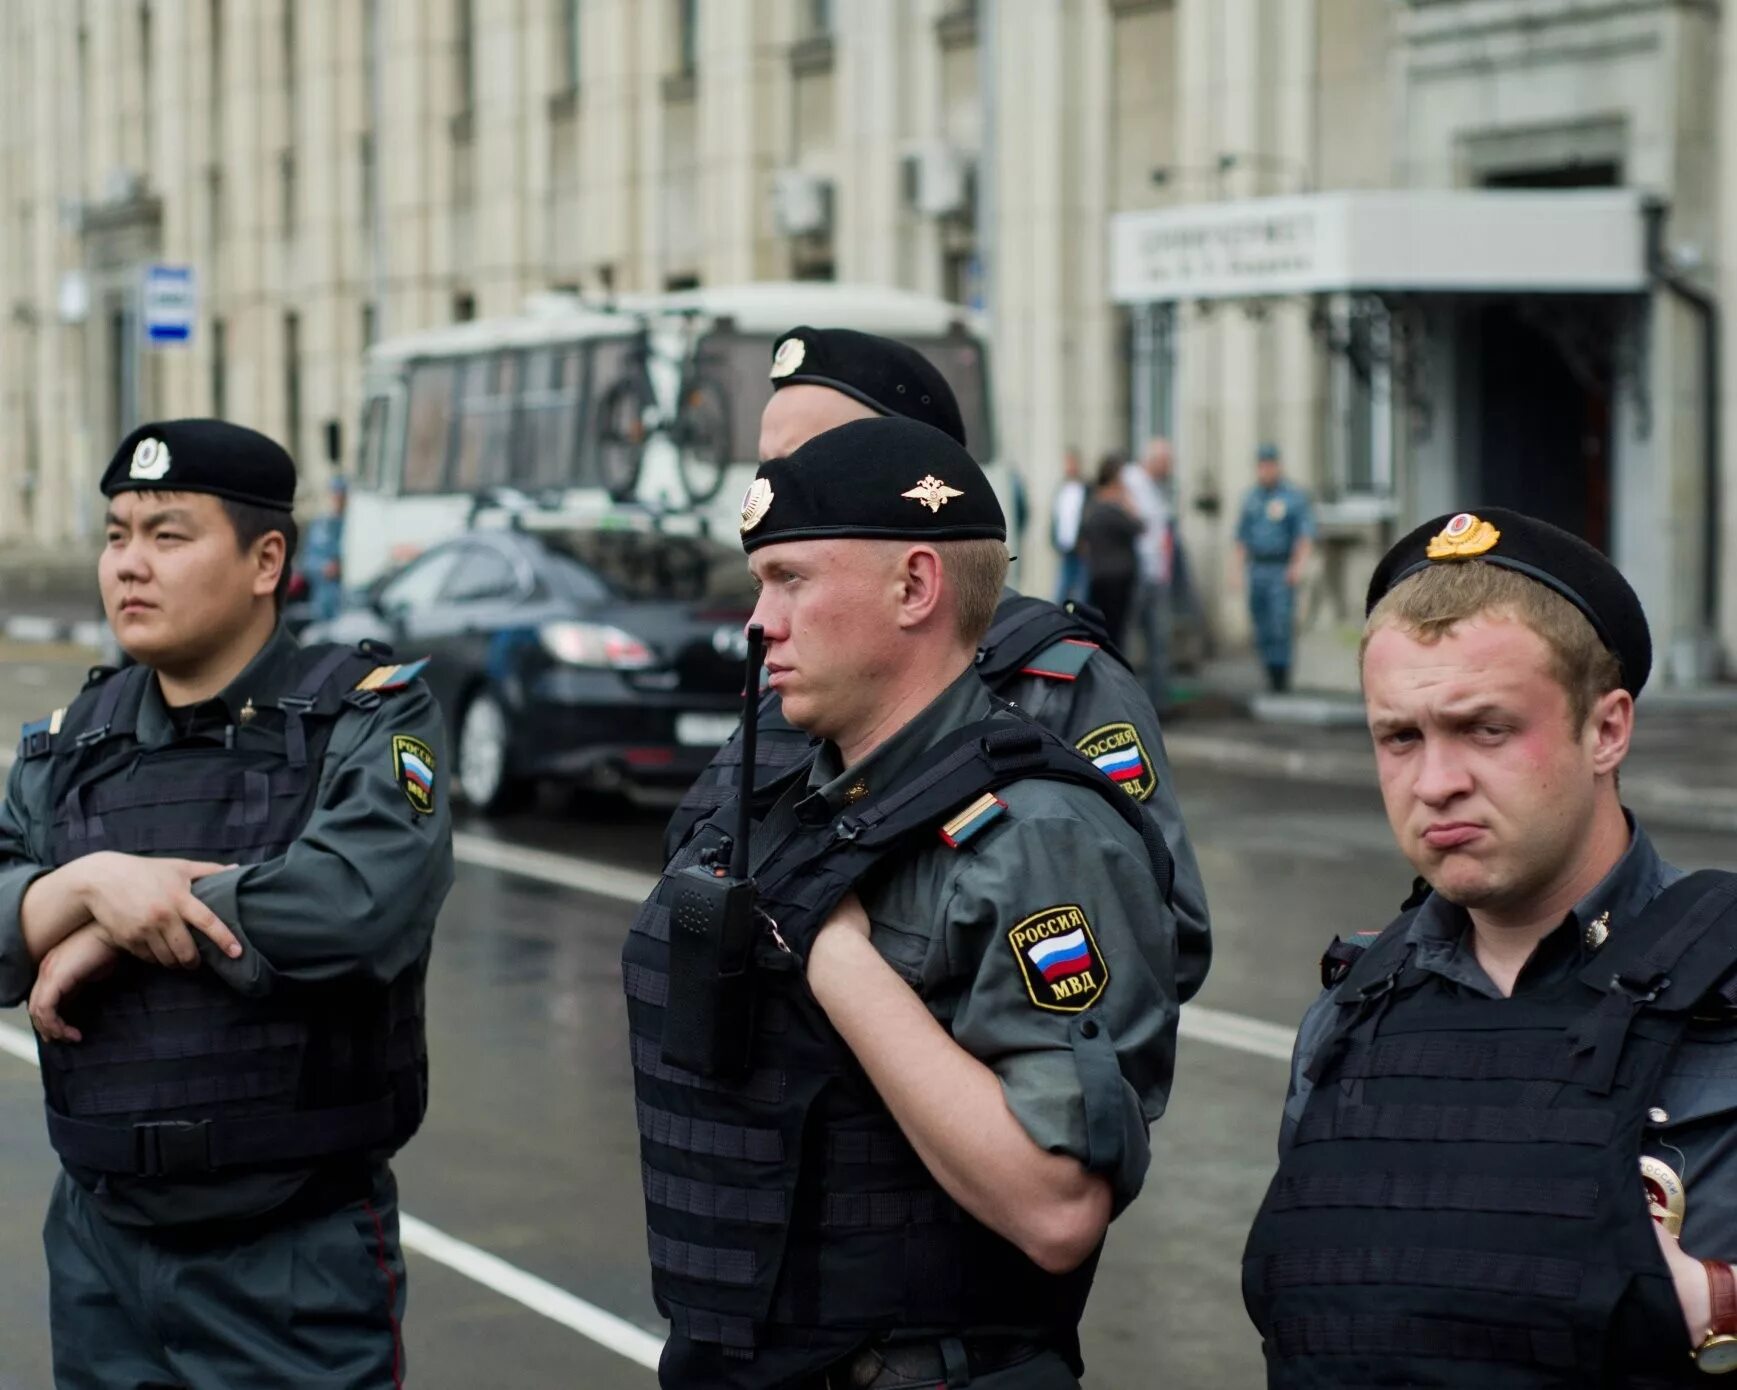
[[219, 873]]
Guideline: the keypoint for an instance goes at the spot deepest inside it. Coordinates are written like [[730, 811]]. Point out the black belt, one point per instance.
[[949, 1361], [176, 1148]]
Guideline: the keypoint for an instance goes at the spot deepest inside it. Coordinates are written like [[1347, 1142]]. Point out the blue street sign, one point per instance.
[[169, 304]]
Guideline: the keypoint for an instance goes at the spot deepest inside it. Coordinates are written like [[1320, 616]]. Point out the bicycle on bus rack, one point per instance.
[[629, 416]]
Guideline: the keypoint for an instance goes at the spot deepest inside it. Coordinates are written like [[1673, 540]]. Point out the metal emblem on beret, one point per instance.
[[1667, 1198], [1464, 538], [150, 460], [755, 504], [789, 357], [932, 493]]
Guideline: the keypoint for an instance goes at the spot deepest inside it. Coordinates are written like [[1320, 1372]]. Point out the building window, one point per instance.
[[370, 325], [819, 17], [219, 369], [572, 66], [292, 383], [1361, 448], [145, 77], [215, 222], [286, 177], [463, 307], [687, 37], [464, 53], [288, 42], [215, 75]]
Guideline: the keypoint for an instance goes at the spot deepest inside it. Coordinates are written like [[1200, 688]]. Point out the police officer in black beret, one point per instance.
[[219, 874], [1055, 664], [893, 1161], [1497, 1091]]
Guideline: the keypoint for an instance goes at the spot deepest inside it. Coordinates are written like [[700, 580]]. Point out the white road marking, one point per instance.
[[1237, 1031], [492, 1272], [563, 870]]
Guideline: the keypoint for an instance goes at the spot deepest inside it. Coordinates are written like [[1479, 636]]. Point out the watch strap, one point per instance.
[[1722, 1298]]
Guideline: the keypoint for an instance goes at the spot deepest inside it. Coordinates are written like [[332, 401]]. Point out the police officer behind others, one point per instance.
[[1492, 1083], [952, 1074], [219, 874], [1036, 655]]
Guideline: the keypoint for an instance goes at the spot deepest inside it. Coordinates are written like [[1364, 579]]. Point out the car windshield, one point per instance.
[[642, 565]]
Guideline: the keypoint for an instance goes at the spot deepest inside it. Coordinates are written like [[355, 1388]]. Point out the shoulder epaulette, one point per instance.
[[1342, 955], [1063, 660], [984, 811], [97, 675], [385, 678], [37, 737]]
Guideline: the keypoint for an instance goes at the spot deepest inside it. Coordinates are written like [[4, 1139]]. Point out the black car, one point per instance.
[[611, 658]]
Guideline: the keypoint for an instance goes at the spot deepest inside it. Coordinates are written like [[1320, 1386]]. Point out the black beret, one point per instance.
[[203, 456], [889, 377], [885, 479], [1551, 556]]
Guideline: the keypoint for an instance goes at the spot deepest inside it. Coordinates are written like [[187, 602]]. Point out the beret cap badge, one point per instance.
[[1464, 538], [150, 460], [788, 358], [932, 493], [755, 504]]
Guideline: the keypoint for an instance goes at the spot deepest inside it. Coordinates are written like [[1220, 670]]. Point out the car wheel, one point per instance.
[[483, 780]]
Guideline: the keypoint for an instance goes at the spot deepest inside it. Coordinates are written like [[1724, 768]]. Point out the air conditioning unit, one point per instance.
[[801, 203], [938, 180]]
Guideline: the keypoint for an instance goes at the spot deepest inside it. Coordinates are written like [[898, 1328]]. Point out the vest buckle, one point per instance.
[[296, 704], [848, 829], [168, 1148], [1643, 992], [90, 736]]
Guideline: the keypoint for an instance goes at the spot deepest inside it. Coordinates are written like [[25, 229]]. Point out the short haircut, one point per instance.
[[1110, 468], [1434, 601], [251, 523], [977, 570]]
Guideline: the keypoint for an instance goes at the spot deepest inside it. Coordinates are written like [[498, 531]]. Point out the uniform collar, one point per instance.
[[1440, 929], [261, 683], [833, 786]]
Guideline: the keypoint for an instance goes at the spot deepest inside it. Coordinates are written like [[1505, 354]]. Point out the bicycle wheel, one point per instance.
[[621, 435], [702, 434]]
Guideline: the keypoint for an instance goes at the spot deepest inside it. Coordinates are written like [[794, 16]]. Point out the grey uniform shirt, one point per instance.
[[1698, 1093], [1084, 1083], [355, 897]]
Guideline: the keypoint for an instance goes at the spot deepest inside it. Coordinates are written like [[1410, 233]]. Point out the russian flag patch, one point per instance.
[[1059, 960], [1117, 752]]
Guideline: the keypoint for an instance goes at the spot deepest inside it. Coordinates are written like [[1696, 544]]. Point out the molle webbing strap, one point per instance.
[[1391, 1191], [885, 1211], [1459, 1058], [763, 1085], [711, 1264], [1453, 1124], [1382, 1334], [715, 1202], [709, 1138], [1477, 1271]]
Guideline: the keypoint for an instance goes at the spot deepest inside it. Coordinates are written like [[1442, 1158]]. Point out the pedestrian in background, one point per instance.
[[1110, 535], [1148, 485], [1274, 536], [323, 552], [1065, 513]]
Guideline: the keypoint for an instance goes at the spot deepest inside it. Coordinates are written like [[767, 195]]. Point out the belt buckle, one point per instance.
[[165, 1148]]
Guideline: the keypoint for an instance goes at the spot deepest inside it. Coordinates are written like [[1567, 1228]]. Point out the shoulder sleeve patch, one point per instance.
[[1117, 752], [413, 767], [384, 678], [1059, 960], [984, 811], [1063, 660]]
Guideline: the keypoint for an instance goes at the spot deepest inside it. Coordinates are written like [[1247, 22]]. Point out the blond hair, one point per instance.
[[977, 569], [1433, 602]]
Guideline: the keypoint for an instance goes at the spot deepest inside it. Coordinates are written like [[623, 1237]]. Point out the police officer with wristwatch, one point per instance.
[[1498, 1089], [219, 874], [1054, 663], [898, 1031]]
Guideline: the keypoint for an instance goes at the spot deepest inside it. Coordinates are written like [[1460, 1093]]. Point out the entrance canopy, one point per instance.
[[1421, 241]]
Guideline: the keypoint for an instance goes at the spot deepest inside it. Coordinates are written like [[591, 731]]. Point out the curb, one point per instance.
[[1656, 800]]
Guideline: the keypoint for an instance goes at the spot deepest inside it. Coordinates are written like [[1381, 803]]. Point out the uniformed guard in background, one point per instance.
[[219, 874], [1494, 1088], [1274, 535], [957, 1015], [1054, 663]]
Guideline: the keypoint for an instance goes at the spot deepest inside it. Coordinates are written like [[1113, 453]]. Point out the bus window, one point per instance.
[[547, 444], [430, 432], [485, 421], [610, 359], [371, 457]]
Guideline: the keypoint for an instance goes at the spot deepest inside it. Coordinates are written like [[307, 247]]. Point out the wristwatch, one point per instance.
[[1717, 1354]]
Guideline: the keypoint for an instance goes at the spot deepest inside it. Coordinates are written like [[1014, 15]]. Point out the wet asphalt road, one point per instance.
[[529, 1150]]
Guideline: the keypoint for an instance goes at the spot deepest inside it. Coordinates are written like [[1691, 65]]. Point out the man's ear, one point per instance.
[[920, 580], [268, 559], [1610, 726]]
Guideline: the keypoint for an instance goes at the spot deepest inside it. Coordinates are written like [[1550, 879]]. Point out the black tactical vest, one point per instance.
[[1462, 1205], [178, 1074], [1023, 627], [790, 1199]]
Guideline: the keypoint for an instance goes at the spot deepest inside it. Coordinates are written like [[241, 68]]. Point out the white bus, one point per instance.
[[455, 412]]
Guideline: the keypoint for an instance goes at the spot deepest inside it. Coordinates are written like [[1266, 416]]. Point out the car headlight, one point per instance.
[[596, 644]]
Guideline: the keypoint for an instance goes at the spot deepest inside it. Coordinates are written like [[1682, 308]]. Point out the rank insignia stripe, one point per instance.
[[413, 767], [384, 678], [1061, 661], [1058, 959], [1116, 751], [984, 811]]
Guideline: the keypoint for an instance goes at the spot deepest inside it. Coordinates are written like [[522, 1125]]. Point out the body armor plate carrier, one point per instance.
[[179, 1074], [790, 1197], [1462, 1203]]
